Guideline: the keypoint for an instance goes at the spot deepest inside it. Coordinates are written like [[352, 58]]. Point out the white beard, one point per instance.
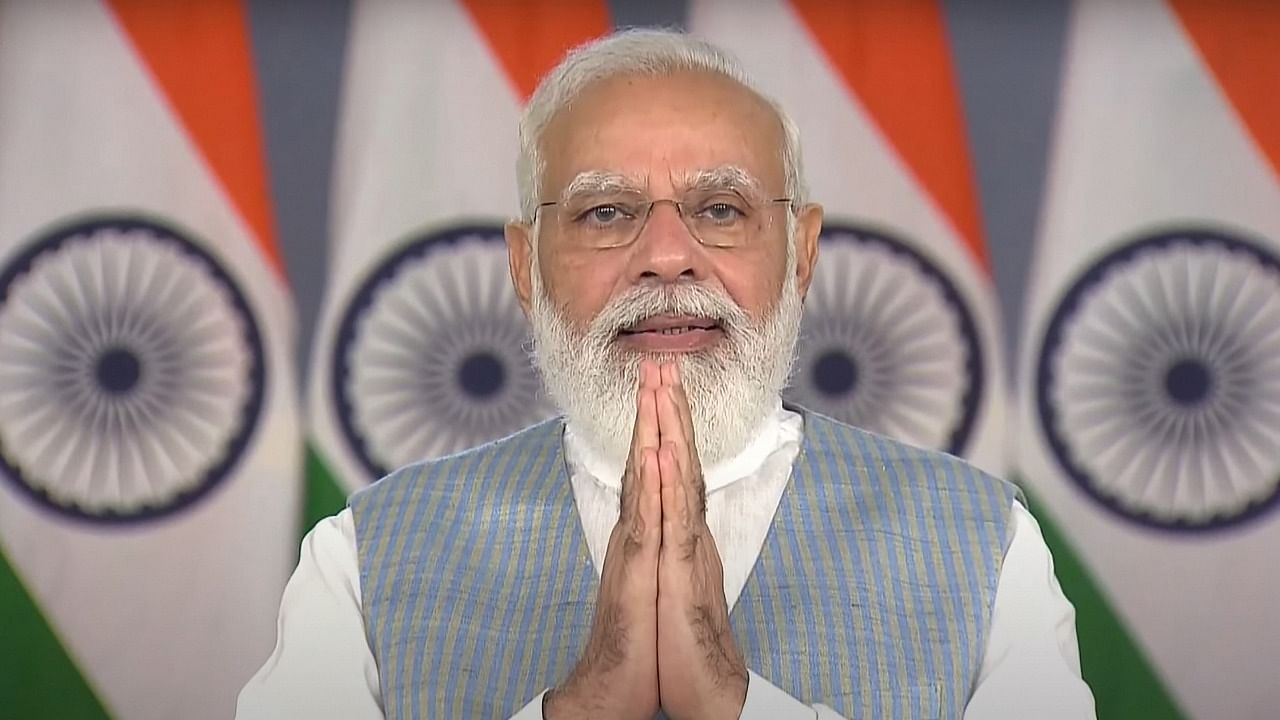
[[731, 387]]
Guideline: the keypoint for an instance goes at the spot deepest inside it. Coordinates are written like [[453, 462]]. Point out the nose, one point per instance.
[[666, 251]]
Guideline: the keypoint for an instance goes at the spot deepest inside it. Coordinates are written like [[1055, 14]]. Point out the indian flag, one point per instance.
[[422, 348], [149, 439], [1151, 374], [901, 331]]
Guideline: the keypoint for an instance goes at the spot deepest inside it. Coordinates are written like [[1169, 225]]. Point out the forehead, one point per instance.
[[660, 129]]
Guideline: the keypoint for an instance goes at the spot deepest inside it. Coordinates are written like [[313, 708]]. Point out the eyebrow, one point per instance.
[[724, 177], [605, 182], [600, 182]]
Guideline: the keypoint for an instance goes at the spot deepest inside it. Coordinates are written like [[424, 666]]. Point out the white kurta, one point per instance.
[[322, 666]]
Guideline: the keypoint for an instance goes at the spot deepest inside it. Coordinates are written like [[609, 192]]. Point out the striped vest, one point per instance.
[[872, 592]]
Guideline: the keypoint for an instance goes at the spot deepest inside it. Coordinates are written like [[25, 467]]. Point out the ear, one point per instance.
[[808, 229], [520, 261]]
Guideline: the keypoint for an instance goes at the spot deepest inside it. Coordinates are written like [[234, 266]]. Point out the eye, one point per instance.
[[604, 214], [721, 212]]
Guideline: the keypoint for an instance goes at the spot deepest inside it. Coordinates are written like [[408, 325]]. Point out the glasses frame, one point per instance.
[[679, 207]]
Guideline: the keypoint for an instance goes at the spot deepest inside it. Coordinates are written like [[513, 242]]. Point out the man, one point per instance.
[[678, 542]]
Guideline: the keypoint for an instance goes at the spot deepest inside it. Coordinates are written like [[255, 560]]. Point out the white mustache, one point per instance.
[[646, 301]]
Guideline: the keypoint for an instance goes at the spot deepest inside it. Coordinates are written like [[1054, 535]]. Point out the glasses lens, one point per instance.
[[601, 221], [722, 218]]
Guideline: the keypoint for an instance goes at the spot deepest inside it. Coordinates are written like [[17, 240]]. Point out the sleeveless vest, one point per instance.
[[872, 593]]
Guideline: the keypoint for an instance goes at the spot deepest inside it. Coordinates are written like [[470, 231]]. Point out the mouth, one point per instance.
[[672, 333]]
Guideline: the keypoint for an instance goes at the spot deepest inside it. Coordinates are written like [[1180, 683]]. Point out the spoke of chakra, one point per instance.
[[1104, 442], [1202, 299], [156, 459], [23, 327], [1167, 283], [898, 416], [392, 409], [218, 382], [1262, 428], [1164, 488], [91, 294], [419, 287], [1233, 486], [1266, 337], [166, 444], [1128, 480], [136, 277], [909, 341], [380, 349], [403, 314], [927, 401], [1216, 467], [450, 291], [108, 476], [82, 475], [380, 354], [168, 291], [932, 358], [866, 295], [895, 308], [1253, 306], [1110, 314], [387, 381], [1091, 414], [129, 461], [39, 440], [1141, 315], [41, 306]]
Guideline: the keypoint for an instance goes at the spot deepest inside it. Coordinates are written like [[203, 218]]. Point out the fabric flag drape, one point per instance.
[[1151, 372], [901, 332], [149, 437], [422, 348]]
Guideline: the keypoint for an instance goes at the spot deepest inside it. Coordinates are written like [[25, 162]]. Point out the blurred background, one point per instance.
[[251, 259]]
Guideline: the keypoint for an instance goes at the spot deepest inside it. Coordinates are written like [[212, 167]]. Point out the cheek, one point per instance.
[[580, 286], [755, 284]]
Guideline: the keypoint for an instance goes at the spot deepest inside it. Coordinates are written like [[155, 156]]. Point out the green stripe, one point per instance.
[[325, 495], [1123, 681], [38, 679]]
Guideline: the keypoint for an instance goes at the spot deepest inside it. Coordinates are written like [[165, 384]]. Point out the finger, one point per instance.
[[650, 503], [646, 415], [693, 464], [671, 426], [675, 514], [644, 434]]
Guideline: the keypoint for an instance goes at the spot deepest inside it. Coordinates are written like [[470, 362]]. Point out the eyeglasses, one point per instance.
[[717, 218]]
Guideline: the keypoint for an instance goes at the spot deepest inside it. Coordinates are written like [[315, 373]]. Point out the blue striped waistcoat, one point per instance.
[[872, 593]]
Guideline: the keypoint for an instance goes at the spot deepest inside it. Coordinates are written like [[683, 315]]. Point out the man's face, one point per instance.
[[656, 138]]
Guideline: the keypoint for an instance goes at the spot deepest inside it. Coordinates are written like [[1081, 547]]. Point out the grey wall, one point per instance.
[[1007, 53]]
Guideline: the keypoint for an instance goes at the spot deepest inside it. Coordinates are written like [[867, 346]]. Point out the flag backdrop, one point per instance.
[[1151, 365], [149, 440], [901, 330], [421, 348], [148, 437]]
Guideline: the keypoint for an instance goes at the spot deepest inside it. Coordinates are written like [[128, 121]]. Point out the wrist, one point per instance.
[[559, 704]]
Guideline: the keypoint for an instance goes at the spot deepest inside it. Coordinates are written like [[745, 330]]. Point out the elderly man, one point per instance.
[[678, 542]]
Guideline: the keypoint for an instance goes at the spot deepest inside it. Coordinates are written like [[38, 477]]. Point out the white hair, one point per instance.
[[635, 52]]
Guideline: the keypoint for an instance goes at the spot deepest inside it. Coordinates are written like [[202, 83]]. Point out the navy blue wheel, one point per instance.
[[131, 370], [432, 353], [888, 343], [1158, 382]]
